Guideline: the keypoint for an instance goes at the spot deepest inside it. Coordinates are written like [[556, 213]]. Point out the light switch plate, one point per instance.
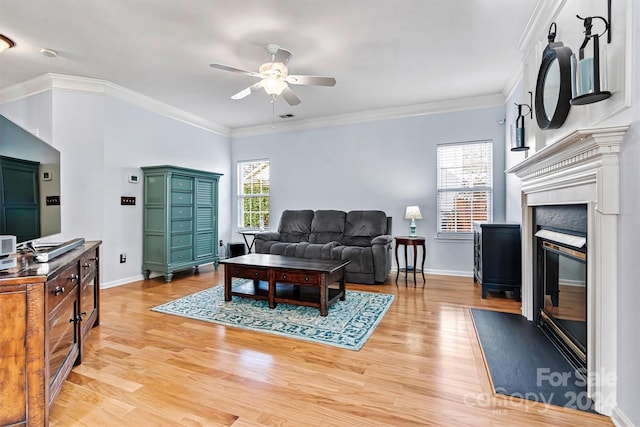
[[127, 200]]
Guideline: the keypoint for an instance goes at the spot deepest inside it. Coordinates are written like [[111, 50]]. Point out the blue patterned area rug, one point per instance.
[[348, 324]]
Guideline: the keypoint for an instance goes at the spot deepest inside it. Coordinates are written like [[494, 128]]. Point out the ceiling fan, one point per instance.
[[275, 78]]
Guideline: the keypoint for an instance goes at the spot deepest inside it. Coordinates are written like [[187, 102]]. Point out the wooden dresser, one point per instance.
[[46, 313]]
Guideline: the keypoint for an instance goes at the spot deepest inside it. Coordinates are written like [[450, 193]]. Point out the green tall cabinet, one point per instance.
[[180, 219]]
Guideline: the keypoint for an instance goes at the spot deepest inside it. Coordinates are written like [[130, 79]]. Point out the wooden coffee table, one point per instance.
[[290, 280]]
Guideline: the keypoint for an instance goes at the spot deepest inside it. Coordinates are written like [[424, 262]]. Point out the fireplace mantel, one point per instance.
[[578, 147], [581, 168]]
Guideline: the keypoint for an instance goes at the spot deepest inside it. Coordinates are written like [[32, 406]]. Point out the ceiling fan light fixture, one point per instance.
[[6, 43], [274, 69], [273, 85]]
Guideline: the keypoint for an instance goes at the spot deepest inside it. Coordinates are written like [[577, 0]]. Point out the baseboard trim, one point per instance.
[[119, 282], [443, 272], [619, 419]]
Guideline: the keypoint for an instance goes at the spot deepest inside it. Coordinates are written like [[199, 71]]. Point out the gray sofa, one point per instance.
[[362, 237]]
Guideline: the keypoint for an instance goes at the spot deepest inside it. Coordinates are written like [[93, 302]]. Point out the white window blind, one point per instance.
[[253, 194], [465, 185]]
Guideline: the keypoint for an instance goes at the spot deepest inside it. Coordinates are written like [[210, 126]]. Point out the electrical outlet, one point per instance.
[[123, 257]]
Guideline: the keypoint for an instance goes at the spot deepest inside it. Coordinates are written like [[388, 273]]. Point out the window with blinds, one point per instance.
[[465, 186], [253, 194]]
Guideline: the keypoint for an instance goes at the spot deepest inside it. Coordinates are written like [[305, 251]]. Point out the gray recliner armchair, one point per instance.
[[362, 237]]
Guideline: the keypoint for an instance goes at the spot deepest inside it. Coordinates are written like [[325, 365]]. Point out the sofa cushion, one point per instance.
[[315, 250], [327, 226], [295, 225], [362, 226]]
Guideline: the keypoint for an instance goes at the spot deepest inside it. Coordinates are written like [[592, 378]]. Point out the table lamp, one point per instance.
[[412, 213]]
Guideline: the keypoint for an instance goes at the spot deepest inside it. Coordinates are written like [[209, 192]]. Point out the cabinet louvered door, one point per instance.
[[205, 233]]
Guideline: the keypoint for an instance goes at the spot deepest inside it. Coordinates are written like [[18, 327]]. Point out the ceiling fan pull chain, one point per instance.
[[273, 111]]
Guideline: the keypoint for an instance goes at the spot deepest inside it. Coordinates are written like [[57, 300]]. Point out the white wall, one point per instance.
[[134, 137], [383, 165], [102, 141], [33, 114], [513, 200], [629, 237]]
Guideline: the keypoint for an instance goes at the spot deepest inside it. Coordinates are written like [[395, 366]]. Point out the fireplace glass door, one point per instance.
[[564, 305]]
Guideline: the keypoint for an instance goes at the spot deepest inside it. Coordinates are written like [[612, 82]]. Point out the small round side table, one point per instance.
[[415, 242]]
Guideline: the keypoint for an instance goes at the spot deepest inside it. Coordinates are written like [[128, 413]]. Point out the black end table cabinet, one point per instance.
[[497, 262]]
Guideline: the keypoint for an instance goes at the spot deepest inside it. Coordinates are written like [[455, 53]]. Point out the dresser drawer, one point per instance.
[[298, 278], [181, 240], [181, 212], [182, 255], [181, 183], [88, 266], [62, 285], [181, 226], [248, 273], [179, 198]]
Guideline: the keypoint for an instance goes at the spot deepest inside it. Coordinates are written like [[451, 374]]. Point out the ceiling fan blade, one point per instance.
[[311, 80], [234, 70], [290, 96], [284, 56], [246, 92]]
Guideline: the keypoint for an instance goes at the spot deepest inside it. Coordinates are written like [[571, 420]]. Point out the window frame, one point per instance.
[[241, 196], [441, 189]]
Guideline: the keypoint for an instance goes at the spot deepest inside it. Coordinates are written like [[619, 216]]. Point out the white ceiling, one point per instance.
[[384, 54]]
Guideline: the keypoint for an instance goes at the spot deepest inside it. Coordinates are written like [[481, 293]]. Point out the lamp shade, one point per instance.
[[273, 86], [412, 212]]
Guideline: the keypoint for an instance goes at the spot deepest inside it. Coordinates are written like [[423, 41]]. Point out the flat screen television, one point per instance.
[[29, 184]]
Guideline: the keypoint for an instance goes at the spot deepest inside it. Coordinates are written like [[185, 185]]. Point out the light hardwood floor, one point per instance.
[[422, 366]]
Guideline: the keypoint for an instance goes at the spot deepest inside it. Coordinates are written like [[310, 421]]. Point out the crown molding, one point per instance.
[[29, 87], [52, 81], [544, 12], [458, 104]]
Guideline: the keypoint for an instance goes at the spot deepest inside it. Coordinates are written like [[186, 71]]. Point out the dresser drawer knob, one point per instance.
[[284, 276], [256, 274], [58, 290], [306, 278], [73, 277], [86, 265]]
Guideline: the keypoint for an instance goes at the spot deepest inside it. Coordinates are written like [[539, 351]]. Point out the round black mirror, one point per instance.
[[553, 88]]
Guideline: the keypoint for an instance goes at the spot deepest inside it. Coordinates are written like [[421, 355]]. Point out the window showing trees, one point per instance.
[[465, 186], [253, 194]]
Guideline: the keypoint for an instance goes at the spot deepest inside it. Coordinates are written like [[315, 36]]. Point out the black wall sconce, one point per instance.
[[520, 141], [589, 78]]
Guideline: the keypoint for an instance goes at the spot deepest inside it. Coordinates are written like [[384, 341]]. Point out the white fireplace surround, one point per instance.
[[581, 168]]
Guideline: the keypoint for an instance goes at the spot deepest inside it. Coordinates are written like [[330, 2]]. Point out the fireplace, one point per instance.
[[560, 282], [580, 169]]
